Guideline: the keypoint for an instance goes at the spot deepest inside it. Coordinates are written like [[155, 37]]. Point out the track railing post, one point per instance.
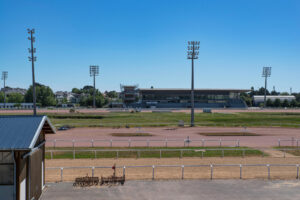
[[182, 172], [181, 153], [73, 153], [92, 141], [166, 142], [278, 142], [51, 154], [220, 142], [269, 173], [61, 174], [124, 167], [211, 171], [93, 169], [241, 167], [153, 171], [129, 142], [73, 143], [111, 141], [54, 143], [297, 171]]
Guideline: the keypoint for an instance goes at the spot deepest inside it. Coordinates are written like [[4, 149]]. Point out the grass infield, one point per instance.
[[152, 152], [144, 119], [292, 150]]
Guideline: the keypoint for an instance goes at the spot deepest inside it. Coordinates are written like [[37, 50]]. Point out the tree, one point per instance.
[[284, 93], [277, 103], [1, 97], [285, 103], [293, 103], [76, 91], [246, 97], [44, 95], [269, 103], [111, 94], [15, 98]]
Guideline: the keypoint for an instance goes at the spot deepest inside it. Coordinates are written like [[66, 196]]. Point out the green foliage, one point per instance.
[[285, 103], [44, 95], [15, 98], [111, 94], [269, 103], [1, 97], [246, 97], [277, 103]]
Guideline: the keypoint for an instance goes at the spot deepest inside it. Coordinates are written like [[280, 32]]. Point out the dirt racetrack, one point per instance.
[[268, 136], [258, 172]]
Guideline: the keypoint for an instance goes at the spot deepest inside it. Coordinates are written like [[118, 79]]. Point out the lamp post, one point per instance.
[[193, 52], [32, 58], [266, 73], [94, 71], [4, 77]]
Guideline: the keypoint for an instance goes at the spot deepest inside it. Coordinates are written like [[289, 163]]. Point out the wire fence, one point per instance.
[[142, 142], [182, 167], [288, 142], [163, 153]]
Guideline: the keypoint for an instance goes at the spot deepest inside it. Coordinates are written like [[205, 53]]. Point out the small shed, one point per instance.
[[22, 156]]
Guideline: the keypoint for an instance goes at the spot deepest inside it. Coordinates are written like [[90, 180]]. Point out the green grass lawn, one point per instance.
[[147, 119], [153, 152], [172, 119]]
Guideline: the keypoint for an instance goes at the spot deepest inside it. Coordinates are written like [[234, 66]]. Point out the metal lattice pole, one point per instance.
[[193, 52], [94, 71], [32, 58], [266, 73], [4, 77]]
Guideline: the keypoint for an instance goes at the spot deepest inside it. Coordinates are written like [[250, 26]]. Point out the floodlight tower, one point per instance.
[[266, 73], [193, 52], [4, 77], [32, 58], [94, 71]]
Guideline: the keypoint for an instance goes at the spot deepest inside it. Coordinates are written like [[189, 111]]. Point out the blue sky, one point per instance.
[[145, 41]]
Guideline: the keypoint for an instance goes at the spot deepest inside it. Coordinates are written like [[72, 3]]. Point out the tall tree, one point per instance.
[[44, 95]]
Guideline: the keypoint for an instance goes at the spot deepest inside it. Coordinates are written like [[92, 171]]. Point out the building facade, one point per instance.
[[181, 98]]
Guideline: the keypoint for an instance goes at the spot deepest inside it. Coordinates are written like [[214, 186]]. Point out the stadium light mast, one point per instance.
[[193, 52], [4, 77], [94, 71], [266, 73], [32, 58]]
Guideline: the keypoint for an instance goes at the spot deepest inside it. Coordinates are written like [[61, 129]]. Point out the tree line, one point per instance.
[[45, 96]]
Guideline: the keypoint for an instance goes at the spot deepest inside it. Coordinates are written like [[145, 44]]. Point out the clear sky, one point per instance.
[[144, 42]]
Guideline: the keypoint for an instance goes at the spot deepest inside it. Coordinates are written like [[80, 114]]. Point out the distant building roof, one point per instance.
[[21, 132], [188, 89]]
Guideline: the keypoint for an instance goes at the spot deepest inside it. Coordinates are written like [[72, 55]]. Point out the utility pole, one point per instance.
[[32, 58], [4, 77], [266, 73], [193, 52], [94, 71]]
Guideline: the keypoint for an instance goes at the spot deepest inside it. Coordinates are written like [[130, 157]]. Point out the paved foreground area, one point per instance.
[[185, 190]]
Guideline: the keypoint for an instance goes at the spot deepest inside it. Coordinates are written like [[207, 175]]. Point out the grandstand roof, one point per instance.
[[185, 89]]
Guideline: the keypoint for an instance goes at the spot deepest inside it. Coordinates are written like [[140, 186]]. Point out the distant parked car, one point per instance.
[[64, 128]]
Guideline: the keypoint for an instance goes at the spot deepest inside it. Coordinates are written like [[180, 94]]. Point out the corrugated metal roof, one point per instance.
[[196, 89], [20, 132]]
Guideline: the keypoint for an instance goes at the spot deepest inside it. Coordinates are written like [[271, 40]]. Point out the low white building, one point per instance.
[[16, 106], [257, 99]]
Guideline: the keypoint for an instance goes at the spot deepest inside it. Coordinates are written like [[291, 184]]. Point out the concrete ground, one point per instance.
[[187, 190]]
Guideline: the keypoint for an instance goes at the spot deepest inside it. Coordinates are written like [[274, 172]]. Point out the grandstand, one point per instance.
[[133, 96]]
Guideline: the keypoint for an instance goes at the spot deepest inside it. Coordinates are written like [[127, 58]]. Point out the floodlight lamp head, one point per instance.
[[266, 71]]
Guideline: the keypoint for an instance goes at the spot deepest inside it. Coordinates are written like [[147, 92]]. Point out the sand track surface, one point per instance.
[[219, 172]]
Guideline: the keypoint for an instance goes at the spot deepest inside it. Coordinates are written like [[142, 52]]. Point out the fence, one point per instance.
[[211, 152], [288, 142], [146, 143], [211, 166]]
